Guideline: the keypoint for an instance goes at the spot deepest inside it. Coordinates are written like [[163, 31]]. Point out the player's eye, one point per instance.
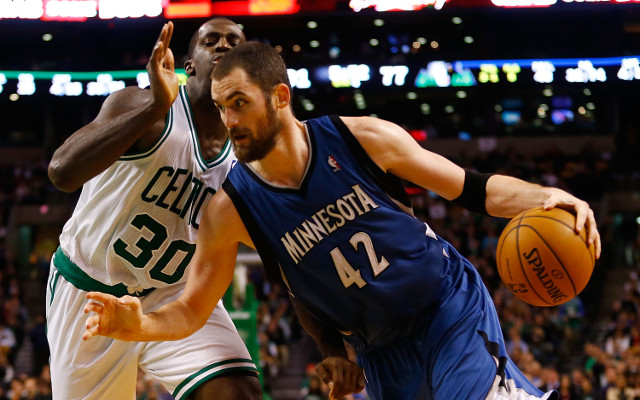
[[210, 41]]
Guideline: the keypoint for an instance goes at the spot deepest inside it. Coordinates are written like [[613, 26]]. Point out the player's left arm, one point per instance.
[[342, 375], [211, 271], [395, 151]]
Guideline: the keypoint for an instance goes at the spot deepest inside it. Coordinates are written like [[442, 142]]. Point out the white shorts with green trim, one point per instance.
[[104, 368]]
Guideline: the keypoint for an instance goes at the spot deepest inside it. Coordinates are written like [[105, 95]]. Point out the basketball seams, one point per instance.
[[567, 274], [522, 268], [592, 255], [572, 228]]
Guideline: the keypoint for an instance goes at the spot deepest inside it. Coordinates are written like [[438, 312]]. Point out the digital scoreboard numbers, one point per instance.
[[434, 74]]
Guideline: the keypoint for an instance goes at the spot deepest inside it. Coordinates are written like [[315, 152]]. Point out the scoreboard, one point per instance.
[[432, 74]]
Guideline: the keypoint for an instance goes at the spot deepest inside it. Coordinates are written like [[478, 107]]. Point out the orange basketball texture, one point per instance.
[[542, 260]]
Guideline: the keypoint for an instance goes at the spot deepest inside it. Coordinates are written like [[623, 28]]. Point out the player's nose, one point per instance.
[[229, 119], [223, 45]]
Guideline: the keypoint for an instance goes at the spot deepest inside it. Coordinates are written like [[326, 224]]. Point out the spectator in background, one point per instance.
[[6, 371], [608, 380], [515, 343], [38, 338], [44, 390], [8, 342], [568, 390], [316, 390], [16, 389], [550, 379], [617, 341], [620, 390]]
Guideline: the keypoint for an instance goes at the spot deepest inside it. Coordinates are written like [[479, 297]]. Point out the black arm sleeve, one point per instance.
[[474, 192]]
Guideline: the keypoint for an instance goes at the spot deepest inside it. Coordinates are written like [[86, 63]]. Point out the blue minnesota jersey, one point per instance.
[[346, 242]]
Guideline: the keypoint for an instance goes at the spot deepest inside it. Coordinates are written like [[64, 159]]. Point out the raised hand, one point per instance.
[[341, 375], [118, 318], [161, 69]]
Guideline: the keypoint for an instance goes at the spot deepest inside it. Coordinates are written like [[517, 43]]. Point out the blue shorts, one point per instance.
[[461, 355]]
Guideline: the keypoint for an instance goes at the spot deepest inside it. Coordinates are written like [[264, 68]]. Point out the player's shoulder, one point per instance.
[[369, 127]]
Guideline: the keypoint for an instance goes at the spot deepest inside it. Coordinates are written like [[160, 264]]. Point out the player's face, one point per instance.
[[215, 38], [251, 118]]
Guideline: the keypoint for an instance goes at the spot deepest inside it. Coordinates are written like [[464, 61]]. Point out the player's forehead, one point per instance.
[[236, 83], [220, 27]]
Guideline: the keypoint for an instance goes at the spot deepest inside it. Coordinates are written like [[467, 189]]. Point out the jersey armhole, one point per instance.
[[132, 154], [266, 253], [389, 183]]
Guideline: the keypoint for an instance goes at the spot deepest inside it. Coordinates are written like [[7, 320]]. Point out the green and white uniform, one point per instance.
[[133, 231]]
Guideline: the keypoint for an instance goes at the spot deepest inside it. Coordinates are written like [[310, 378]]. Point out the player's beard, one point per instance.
[[262, 141]]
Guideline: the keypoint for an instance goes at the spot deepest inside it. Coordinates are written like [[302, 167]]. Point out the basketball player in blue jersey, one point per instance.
[[148, 164], [322, 203]]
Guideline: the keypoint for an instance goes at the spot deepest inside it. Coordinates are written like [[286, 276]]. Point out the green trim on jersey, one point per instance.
[[165, 134], [78, 278], [224, 153], [53, 282], [200, 377], [226, 149]]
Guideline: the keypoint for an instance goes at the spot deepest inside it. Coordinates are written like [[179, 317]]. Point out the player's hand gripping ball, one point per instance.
[[541, 258]]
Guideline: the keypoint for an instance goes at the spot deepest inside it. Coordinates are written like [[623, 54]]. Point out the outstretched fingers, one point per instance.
[[168, 61], [161, 69], [162, 44], [161, 55]]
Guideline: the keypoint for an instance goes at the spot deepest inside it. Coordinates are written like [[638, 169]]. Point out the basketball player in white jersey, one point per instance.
[[147, 164]]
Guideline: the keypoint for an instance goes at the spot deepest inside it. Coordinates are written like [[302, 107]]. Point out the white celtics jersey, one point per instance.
[[136, 223]]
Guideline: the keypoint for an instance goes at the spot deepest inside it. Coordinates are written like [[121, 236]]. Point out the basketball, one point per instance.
[[542, 260]]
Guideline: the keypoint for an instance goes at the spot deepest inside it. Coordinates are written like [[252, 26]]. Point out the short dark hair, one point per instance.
[[196, 35], [261, 62]]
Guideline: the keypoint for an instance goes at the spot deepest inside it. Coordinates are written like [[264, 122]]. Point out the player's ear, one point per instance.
[[282, 95], [188, 68]]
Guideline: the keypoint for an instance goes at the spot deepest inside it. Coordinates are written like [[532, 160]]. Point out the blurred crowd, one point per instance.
[[586, 348]]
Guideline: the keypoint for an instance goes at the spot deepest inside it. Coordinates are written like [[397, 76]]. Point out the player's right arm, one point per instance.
[[210, 273], [129, 118]]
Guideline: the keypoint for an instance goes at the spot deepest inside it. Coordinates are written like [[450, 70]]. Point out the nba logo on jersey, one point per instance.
[[333, 164]]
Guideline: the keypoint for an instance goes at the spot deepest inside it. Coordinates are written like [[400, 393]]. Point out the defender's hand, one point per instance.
[[341, 375], [161, 69], [118, 318]]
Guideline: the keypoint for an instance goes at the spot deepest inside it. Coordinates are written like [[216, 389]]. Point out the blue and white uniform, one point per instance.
[[349, 249]]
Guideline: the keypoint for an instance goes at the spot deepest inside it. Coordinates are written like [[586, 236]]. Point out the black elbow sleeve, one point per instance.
[[474, 192]]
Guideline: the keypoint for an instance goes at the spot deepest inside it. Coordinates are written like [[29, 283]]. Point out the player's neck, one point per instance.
[[212, 134]]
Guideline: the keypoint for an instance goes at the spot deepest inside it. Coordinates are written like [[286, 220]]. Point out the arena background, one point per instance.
[[545, 90]]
